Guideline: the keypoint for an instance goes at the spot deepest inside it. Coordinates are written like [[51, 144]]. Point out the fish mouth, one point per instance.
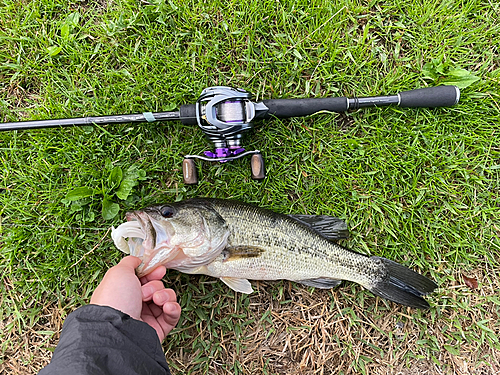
[[141, 234]]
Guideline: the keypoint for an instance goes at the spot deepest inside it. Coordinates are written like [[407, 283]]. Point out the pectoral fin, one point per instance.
[[321, 283], [241, 251], [239, 285]]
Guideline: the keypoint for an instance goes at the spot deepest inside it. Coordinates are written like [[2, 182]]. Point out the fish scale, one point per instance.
[[298, 254]]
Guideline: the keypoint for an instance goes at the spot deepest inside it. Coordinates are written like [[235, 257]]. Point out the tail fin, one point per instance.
[[403, 285]]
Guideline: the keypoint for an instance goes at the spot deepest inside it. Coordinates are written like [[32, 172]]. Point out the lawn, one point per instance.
[[418, 186]]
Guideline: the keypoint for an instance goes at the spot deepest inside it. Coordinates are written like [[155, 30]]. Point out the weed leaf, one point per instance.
[[65, 30], [54, 50], [460, 78], [452, 349], [130, 179], [79, 193], [115, 177], [443, 73], [109, 209], [69, 24]]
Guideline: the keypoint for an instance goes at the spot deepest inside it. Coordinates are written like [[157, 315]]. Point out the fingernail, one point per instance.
[[170, 308]]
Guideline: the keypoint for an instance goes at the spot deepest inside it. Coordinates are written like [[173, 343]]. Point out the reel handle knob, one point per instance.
[[189, 172], [257, 166]]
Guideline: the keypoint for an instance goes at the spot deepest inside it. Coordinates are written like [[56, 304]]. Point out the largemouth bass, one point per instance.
[[236, 242]]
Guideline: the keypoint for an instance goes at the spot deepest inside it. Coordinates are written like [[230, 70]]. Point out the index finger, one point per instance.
[[156, 274]]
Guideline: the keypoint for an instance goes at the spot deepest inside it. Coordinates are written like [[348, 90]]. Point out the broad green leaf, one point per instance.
[[79, 193], [115, 177], [441, 69], [65, 30], [141, 174], [429, 71], [79, 204], [54, 50], [459, 73], [90, 216], [443, 73], [73, 19], [126, 188], [109, 209], [130, 179], [461, 82], [452, 349], [170, 107], [69, 24]]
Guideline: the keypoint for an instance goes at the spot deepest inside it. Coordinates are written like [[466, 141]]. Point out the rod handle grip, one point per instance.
[[431, 97], [285, 108]]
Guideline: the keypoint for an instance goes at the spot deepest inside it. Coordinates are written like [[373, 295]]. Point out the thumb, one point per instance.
[[130, 262]]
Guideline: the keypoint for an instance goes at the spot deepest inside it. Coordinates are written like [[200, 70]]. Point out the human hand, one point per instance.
[[143, 299]]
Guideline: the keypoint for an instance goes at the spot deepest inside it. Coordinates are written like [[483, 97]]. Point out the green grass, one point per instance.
[[418, 186]]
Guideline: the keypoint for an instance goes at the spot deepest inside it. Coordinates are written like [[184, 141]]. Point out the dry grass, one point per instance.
[[28, 352], [304, 332]]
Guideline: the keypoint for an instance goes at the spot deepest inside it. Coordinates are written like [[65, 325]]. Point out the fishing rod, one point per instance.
[[225, 113]]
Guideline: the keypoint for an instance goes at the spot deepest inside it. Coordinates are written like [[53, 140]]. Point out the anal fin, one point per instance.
[[239, 285], [321, 283]]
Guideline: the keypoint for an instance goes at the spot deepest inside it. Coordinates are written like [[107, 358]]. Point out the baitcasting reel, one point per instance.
[[224, 114]]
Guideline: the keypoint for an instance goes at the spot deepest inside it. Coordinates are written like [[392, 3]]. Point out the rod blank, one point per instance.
[[99, 120]]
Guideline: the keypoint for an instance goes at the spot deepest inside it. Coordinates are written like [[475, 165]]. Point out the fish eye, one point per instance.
[[167, 211]]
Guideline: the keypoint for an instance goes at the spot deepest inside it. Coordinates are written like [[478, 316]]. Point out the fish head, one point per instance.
[[182, 236]]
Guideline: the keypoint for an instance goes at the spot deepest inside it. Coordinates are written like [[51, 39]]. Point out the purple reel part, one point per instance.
[[224, 152], [223, 155]]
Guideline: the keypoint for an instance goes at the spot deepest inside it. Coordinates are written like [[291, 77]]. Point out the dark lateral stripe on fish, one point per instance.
[[270, 219]]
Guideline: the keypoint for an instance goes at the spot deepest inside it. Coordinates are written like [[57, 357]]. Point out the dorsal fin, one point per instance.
[[332, 228]]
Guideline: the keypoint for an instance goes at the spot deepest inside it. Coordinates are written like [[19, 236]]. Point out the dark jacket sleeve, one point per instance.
[[102, 340]]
